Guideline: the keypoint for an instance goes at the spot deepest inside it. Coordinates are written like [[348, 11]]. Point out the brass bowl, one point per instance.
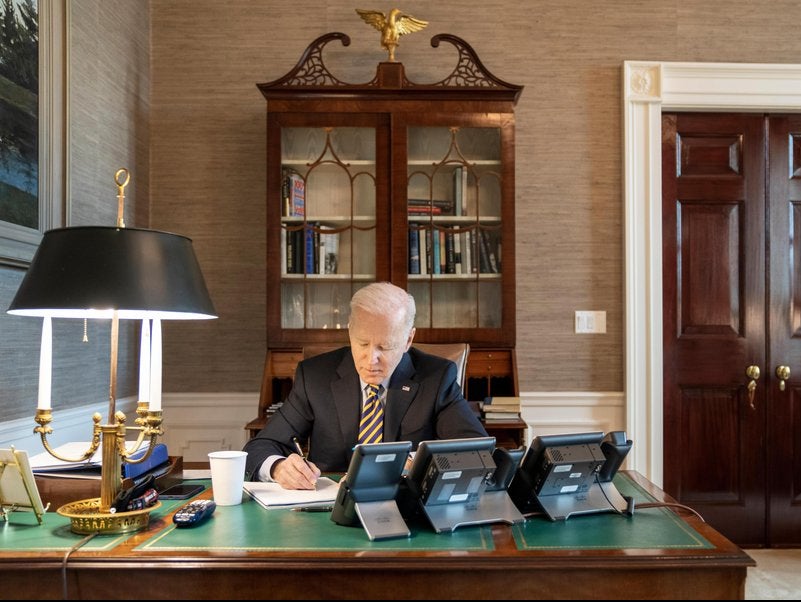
[[86, 518]]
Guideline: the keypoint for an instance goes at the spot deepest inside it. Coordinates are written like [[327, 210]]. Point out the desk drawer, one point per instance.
[[490, 362]]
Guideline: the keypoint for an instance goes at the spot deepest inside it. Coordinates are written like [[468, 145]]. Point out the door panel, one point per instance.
[[713, 224], [784, 406]]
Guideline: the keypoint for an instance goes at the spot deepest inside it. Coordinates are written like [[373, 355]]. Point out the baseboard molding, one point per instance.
[[549, 413]]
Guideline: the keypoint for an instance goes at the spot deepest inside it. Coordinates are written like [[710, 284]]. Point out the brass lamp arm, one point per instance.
[[45, 417]]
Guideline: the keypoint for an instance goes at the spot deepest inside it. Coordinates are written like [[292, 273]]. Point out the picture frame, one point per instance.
[[18, 488]]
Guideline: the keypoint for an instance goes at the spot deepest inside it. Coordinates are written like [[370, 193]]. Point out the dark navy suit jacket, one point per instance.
[[423, 402]]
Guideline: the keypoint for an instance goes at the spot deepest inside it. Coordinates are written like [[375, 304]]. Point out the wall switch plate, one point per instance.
[[590, 322]]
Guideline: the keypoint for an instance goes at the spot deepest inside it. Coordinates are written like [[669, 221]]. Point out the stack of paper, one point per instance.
[[272, 495]]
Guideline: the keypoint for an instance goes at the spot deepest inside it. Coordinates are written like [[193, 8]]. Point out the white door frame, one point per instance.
[[649, 87]]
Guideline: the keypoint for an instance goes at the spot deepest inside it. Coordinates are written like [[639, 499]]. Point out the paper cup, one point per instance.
[[227, 476]]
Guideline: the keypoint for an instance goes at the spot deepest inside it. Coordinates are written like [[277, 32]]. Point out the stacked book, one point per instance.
[[501, 408]]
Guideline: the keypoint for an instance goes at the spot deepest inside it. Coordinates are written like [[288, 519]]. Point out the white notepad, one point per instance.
[[272, 495]]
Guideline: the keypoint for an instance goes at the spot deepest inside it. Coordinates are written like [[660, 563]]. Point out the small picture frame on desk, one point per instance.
[[18, 488]]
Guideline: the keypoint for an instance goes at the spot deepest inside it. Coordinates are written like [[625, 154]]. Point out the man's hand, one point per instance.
[[294, 473]]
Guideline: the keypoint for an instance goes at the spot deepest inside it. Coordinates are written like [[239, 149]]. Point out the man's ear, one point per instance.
[[411, 338]]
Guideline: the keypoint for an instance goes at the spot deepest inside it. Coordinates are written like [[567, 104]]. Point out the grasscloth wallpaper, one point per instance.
[[171, 87]]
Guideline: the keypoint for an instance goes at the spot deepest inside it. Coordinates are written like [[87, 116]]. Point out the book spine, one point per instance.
[[298, 250], [489, 238], [414, 251], [467, 255], [435, 266], [443, 261], [450, 255], [483, 255], [286, 203], [309, 249], [458, 191], [465, 190], [445, 206], [297, 195], [424, 210], [284, 255], [290, 251], [457, 252], [331, 252], [425, 251]]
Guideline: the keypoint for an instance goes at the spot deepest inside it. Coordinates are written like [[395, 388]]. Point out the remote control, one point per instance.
[[194, 513]]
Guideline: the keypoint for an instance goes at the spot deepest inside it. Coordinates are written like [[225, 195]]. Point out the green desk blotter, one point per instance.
[[648, 528], [249, 526], [22, 533]]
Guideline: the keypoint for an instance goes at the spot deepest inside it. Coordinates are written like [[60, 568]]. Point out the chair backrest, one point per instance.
[[456, 352]]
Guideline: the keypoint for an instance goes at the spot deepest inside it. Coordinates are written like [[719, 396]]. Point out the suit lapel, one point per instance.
[[347, 398], [401, 393]]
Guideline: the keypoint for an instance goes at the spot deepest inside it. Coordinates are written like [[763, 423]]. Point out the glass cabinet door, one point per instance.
[[454, 208], [328, 222]]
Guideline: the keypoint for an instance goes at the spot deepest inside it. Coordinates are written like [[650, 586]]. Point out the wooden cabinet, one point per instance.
[[391, 180]]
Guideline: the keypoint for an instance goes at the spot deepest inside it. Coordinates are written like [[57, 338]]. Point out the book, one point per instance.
[[329, 249], [443, 260], [488, 249], [446, 206], [450, 257], [414, 251], [467, 253], [297, 195], [289, 238], [457, 252], [460, 190], [494, 402], [435, 265], [424, 210], [425, 250], [272, 495], [483, 255], [501, 415], [311, 248]]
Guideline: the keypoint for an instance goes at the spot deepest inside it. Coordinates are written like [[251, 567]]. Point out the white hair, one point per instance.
[[384, 298]]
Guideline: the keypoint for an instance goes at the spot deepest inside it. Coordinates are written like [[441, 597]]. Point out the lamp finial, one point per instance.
[[121, 179]]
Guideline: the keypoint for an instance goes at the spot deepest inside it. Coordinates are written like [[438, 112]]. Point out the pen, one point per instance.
[[313, 509], [301, 454]]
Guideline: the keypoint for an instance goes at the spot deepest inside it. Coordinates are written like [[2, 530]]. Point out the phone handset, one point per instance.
[[615, 447]]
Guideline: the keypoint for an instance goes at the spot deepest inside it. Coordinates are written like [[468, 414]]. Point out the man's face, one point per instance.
[[377, 343]]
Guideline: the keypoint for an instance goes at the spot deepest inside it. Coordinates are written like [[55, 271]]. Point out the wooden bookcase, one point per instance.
[[346, 162]]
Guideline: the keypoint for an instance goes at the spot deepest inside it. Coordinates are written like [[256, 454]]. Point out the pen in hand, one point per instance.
[[301, 454]]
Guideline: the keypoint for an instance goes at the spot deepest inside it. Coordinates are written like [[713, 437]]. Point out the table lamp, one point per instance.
[[112, 273]]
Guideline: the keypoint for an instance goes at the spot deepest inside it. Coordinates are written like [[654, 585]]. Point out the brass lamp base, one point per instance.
[[86, 518]]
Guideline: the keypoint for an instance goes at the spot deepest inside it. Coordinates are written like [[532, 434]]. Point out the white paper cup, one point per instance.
[[227, 476]]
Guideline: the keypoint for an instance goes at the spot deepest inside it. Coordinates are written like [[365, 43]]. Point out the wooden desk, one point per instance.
[[118, 570]]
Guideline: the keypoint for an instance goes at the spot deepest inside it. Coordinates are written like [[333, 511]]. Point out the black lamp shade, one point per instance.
[[89, 272]]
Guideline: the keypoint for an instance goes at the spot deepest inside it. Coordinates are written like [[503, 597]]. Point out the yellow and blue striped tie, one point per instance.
[[371, 426]]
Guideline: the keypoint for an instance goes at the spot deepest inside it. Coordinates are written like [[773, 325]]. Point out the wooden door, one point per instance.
[[732, 299], [783, 437], [713, 237]]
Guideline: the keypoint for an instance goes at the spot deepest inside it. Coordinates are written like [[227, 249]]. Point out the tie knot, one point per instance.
[[374, 391]]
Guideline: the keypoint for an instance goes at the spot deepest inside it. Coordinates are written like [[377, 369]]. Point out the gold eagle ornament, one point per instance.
[[391, 27]]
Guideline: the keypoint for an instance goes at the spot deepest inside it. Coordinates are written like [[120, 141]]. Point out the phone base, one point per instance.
[[492, 507], [601, 497], [382, 519]]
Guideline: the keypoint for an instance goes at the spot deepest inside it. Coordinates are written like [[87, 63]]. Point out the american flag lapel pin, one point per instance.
[[406, 388]]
